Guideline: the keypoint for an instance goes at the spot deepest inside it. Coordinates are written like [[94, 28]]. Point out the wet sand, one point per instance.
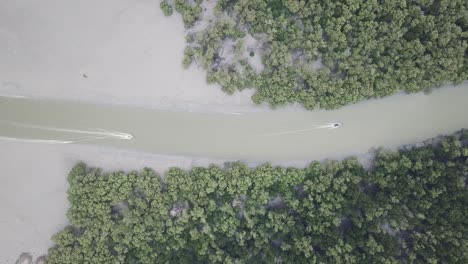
[[108, 51], [33, 185], [121, 52]]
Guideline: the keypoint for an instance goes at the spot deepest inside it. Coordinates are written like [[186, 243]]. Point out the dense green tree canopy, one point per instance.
[[166, 8], [326, 54], [410, 207]]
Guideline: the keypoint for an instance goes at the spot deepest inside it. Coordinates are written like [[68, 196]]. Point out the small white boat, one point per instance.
[[335, 125]]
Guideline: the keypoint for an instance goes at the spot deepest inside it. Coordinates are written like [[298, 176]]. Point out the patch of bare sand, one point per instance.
[[34, 185], [109, 51]]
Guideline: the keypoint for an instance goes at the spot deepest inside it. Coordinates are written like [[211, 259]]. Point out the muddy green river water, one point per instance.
[[387, 122]]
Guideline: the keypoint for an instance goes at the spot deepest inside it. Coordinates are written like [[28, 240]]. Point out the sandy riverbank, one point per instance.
[[33, 188], [110, 51], [34, 185]]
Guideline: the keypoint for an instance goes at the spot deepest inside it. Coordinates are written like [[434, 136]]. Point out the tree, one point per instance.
[[166, 8], [364, 50], [411, 207]]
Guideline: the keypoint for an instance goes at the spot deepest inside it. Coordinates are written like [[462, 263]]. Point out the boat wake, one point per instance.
[[89, 135], [46, 141], [326, 126]]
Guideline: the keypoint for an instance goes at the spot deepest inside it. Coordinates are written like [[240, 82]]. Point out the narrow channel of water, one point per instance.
[[275, 136]]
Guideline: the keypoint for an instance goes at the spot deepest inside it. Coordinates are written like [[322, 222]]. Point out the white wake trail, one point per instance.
[[47, 141], [326, 126], [101, 132]]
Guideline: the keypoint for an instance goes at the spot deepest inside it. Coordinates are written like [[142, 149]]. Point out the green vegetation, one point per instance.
[[326, 54], [166, 8], [410, 207], [190, 13]]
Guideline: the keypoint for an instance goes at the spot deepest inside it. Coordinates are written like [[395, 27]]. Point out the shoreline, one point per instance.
[[129, 55], [219, 108], [32, 224]]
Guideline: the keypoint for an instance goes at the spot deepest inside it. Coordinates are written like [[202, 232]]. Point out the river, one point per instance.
[[127, 52], [275, 136]]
